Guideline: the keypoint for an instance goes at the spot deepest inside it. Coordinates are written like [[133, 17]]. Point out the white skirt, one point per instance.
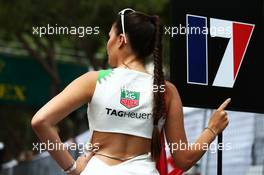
[[139, 165]]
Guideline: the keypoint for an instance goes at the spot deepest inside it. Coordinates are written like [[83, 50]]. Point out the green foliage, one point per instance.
[[20, 16]]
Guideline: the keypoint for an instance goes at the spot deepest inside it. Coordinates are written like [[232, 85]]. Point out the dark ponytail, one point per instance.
[[158, 100], [145, 35]]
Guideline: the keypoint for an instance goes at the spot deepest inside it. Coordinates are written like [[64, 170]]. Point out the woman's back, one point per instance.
[[122, 128]]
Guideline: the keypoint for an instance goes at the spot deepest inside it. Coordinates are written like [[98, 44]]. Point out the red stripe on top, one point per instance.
[[241, 36]]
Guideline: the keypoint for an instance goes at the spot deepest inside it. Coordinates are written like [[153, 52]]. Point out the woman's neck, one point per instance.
[[132, 62]]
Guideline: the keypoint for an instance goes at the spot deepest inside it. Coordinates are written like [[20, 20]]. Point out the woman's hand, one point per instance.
[[81, 163], [219, 120]]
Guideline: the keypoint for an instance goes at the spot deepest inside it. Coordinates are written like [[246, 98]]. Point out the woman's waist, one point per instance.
[[114, 159], [119, 145]]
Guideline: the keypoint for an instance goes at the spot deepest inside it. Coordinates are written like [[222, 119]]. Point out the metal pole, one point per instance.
[[219, 153]]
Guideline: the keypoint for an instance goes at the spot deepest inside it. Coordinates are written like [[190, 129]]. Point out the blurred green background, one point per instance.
[[33, 69]]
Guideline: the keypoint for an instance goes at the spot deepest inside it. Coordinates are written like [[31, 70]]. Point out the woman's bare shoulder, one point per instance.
[[171, 89]]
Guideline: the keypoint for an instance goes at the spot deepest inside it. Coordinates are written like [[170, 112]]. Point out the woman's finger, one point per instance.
[[224, 105]]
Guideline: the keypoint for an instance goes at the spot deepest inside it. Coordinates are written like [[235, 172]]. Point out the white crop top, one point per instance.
[[122, 102]]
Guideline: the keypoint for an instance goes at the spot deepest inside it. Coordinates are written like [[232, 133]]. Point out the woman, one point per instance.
[[126, 107]]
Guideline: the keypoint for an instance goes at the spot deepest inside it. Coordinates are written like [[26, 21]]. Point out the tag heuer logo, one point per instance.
[[129, 99]]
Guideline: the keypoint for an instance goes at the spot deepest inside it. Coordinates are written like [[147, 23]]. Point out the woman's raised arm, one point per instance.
[[185, 155], [77, 93]]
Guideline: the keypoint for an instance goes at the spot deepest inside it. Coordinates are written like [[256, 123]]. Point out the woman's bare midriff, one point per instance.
[[119, 145]]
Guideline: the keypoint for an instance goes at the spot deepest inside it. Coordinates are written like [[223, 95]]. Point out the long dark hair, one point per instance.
[[145, 35]]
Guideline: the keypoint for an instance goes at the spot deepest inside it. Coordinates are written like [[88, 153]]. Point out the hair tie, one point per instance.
[[155, 123]]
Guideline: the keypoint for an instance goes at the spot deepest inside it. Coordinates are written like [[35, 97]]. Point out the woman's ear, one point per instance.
[[121, 40]]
